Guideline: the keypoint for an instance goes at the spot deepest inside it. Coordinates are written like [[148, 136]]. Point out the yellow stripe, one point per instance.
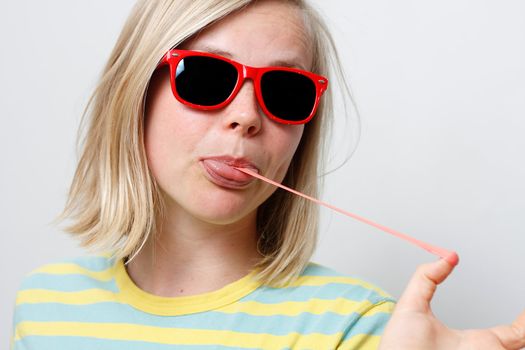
[[323, 280], [291, 308], [179, 336], [386, 307], [69, 269], [109, 273], [315, 306], [361, 342], [88, 296]]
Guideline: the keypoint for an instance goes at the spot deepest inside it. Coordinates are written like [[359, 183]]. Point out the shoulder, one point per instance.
[[53, 290], [324, 301], [341, 285], [70, 274], [320, 289], [368, 307]]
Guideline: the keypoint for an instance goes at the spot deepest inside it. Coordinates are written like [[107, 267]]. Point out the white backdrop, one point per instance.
[[441, 91]]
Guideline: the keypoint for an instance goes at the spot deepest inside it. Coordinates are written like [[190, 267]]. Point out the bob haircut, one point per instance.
[[114, 202]]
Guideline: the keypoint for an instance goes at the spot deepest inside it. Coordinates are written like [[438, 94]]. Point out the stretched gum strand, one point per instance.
[[450, 256]]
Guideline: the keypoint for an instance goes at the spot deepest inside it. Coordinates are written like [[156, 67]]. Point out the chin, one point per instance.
[[224, 218], [219, 207], [225, 214]]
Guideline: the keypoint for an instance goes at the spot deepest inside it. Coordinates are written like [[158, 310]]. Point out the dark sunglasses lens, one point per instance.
[[288, 95], [205, 81]]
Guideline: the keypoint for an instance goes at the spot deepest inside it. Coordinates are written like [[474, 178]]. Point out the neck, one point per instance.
[[189, 256]]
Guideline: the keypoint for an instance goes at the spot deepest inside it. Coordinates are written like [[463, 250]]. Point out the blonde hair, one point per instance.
[[114, 201]]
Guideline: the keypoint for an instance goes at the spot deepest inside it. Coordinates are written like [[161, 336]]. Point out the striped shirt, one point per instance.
[[91, 303]]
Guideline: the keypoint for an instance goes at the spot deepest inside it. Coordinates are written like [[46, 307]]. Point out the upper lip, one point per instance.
[[238, 162]]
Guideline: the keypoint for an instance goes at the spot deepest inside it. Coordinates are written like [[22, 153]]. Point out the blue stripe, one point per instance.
[[84, 343], [314, 269], [93, 263], [266, 295], [305, 323], [373, 325], [328, 291], [66, 283]]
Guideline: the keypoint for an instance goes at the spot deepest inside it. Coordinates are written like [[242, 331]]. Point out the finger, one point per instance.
[[513, 336], [423, 284]]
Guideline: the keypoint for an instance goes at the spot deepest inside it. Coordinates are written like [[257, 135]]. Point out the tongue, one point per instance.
[[226, 171]]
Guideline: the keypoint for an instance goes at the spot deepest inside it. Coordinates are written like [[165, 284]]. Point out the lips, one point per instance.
[[221, 171]]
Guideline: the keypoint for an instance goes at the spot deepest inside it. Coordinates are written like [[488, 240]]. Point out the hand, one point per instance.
[[414, 327]]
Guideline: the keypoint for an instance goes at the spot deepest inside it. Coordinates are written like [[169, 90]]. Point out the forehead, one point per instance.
[[264, 33]]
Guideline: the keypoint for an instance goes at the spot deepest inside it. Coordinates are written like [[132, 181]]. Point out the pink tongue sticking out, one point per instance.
[[227, 171], [450, 256]]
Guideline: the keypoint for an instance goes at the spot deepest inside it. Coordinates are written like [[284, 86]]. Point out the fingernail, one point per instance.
[[452, 259]]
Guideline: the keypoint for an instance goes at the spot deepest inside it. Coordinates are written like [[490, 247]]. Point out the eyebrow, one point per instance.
[[277, 63]]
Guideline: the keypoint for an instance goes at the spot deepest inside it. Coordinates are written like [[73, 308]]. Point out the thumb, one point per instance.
[[422, 285], [513, 336]]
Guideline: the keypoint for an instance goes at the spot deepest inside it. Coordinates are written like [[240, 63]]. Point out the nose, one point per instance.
[[243, 114]]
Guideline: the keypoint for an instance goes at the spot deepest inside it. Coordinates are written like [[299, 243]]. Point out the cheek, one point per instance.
[[169, 136], [294, 138], [283, 147], [167, 126]]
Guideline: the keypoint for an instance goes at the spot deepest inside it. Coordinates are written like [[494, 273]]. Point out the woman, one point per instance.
[[199, 254]]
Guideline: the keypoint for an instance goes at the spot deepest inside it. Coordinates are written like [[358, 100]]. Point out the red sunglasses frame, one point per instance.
[[174, 56]]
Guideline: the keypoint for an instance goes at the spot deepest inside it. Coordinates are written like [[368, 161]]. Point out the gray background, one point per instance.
[[441, 91]]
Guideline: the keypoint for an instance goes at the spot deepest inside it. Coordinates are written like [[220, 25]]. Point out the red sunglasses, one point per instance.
[[208, 81]]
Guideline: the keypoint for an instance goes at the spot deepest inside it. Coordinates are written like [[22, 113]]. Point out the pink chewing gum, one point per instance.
[[450, 256]]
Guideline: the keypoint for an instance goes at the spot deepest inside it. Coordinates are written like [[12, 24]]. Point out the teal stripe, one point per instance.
[[93, 263], [100, 263], [267, 295], [304, 323], [328, 291], [313, 269], [84, 343], [66, 283], [374, 325]]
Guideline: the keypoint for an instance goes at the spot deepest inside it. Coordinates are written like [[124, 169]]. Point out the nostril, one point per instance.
[[251, 130], [234, 125]]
